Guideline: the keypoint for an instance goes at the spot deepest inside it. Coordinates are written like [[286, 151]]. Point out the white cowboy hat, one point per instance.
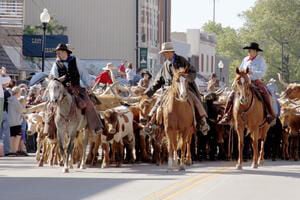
[[167, 47], [108, 66], [272, 80]]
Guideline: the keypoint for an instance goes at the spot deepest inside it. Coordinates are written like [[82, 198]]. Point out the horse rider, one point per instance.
[[257, 70], [272, 87], [105, 77], [144, 82], [77, 82], [165, 76]]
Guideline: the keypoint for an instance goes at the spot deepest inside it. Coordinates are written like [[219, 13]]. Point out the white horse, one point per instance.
[[68, 120]]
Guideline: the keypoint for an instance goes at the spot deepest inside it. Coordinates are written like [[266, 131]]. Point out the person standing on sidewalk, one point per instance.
[[4, 79], [130, 74], [15, 118]]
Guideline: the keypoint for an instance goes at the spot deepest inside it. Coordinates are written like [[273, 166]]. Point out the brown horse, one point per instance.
[[248, 114], [178, 119]]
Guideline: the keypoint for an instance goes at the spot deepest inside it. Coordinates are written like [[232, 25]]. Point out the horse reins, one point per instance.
[[244, 112]]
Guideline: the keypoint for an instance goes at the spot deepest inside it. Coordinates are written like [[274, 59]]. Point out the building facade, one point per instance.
[[204, 46], [202, 49], [148, 32], [106, 30], [11, 30]]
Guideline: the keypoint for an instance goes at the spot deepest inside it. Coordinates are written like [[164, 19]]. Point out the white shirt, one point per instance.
[[129, 74], [257, 67], [3, 80]]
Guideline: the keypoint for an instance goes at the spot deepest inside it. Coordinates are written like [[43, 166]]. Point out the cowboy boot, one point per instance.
[[270, 112], [226, 119]]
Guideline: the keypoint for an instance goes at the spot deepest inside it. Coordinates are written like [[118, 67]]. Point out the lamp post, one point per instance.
[[221, 66], [45, 18]]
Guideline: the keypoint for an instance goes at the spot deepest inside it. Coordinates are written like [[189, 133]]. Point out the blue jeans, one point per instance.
[[24, 131], [131, 83], [5, 132]]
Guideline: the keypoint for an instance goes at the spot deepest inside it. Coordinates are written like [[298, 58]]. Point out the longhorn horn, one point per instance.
[[294, 102], [110, 88], [131, 100], [282, 81], [220, 91]]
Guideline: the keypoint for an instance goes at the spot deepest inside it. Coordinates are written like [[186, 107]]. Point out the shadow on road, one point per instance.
[[59, 188]]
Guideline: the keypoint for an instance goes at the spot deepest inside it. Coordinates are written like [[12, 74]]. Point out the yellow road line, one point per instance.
[[193, 185], [178, 187]]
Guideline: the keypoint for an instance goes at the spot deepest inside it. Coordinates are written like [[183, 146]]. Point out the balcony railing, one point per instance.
[[11, 13]]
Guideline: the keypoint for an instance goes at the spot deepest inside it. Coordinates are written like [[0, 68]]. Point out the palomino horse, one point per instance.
[[248, 114], [68, 120], [178, 119]]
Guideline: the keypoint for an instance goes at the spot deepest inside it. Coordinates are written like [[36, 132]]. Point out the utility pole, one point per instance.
[[214, 11], [137, 34], [284, 62]]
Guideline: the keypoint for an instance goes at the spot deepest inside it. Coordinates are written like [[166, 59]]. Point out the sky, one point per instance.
[[194, 13]]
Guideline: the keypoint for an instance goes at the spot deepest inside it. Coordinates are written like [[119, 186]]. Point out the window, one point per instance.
[[11, 13], [202, 63], [212, 64], [207, 63]]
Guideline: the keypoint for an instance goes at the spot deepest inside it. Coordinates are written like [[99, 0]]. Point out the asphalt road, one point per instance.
[[20, 178]]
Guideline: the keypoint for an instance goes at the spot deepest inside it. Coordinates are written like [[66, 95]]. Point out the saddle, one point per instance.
[[257, 93]]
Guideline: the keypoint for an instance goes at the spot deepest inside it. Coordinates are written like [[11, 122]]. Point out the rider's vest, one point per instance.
[[71, 73]]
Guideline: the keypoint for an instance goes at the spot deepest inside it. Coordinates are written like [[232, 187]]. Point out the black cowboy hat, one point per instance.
[[254, 46], [146, 72], [63, 47]]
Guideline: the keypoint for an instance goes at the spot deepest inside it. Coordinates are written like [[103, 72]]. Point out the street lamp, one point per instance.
[[221, 66], [45, 18]]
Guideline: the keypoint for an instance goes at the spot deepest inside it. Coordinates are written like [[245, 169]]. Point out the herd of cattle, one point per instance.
[[131, 136]]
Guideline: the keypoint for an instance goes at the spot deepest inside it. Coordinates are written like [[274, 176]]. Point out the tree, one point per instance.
[[228, 44], [52, 28], [273, 24]]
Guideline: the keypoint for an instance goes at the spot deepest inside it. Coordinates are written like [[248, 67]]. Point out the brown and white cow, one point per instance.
[[35, 124], [46, 143], [153, 132], [118, 131]]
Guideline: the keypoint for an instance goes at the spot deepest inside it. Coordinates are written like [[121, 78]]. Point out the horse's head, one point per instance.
[[55, 90], [242, 85], [180, 83]]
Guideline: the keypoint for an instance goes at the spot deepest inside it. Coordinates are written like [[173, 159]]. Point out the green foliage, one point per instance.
[[53, 28], [271, 23], [228, 44]]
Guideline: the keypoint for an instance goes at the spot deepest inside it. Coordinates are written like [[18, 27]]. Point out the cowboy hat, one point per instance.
[[254, 46], [146, 72], [108, 66], [63, 47], [167, 47]]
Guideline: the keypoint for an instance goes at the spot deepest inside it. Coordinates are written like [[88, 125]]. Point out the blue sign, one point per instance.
[[32, 45]]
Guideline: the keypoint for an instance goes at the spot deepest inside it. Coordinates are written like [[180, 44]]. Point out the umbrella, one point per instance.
[[37, 78]]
